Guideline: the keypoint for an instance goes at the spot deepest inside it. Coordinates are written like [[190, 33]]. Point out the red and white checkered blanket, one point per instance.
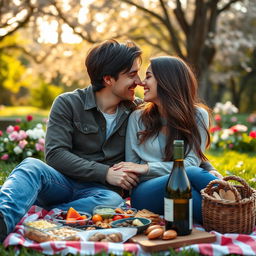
[[225, 244]]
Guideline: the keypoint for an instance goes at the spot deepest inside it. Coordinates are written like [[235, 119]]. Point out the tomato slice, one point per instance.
[[117, 217]]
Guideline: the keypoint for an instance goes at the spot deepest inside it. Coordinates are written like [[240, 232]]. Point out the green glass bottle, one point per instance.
[[178, 195]]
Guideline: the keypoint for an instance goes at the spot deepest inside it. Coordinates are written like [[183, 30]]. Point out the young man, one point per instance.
[[85, 138]]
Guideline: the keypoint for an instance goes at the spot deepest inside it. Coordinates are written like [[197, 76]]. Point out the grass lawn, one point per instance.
[[228, 163]]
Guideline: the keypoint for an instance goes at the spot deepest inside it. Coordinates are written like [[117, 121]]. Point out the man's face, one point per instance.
[[124, 86]]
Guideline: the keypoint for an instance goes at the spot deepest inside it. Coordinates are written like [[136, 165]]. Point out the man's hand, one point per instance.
[[131, 167], [216, 174], [122, 179]]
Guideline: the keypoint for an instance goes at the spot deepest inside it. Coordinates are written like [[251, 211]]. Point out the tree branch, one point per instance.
[[180, 16], [227, 6], [145, 10], [20, 23], [34, 57], [88, 38], [147, 40]]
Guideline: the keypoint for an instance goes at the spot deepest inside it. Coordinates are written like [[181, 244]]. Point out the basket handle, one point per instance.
[[222, 184], [242, 181]]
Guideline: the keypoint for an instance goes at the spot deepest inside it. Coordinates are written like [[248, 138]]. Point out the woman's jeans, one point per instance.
[[150, 194], [34, 182]]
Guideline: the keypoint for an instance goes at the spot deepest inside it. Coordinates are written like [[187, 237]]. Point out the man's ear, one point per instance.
[[107, 80]]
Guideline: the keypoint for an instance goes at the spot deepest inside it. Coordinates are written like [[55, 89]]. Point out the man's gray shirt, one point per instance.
[[76, 143]]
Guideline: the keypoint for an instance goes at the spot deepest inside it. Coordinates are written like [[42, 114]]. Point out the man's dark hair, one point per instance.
[[110, 58]]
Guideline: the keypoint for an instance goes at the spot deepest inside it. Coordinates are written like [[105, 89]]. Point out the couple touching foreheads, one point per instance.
[[102, 141]]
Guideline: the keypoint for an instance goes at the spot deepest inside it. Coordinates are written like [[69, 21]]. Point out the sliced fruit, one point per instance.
[[82, 217], [117, 217], [72, 213]]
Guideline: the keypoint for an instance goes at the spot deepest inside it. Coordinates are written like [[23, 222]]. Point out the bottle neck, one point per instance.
[[178, 163]]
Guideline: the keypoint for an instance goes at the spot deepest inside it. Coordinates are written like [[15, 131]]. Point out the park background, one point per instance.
[[43, 44]]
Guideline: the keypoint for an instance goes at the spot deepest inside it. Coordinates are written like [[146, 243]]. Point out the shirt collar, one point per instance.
[[90, 101]]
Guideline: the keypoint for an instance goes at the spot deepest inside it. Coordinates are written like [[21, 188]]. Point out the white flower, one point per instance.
[[39, 126], [6, 140], [29, 153], [227, 108], [215, 138], [17, 150]]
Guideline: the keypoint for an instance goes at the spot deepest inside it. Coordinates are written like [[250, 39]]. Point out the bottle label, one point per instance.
[[168, 209]]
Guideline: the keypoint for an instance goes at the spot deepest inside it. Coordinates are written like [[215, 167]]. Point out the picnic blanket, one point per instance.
[[226, 243]]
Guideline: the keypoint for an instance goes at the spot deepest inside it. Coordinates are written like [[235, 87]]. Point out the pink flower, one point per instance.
[[29, 118], [1, 133], [22, 144], [39, 147], [16, 128], [239, 128], [18, 120], [217, 117], [22, 135], [10, 129], [231, 146], [41, 141], [45, 120], [14, 136], [252, 134], [233, 119], [5, 157]]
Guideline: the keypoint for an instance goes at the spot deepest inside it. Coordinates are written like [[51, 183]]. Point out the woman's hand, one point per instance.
[[216, 174], [122, 179], [131, 167]]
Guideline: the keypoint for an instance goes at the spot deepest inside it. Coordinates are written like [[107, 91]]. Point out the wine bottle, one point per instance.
[[178, 195]]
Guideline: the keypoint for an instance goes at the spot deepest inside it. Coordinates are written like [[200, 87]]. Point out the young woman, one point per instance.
[[172, 111]]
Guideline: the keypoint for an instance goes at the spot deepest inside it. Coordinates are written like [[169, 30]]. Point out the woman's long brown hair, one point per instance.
[[177, 92]]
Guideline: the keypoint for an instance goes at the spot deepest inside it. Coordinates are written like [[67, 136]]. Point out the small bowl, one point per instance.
[[118, 223], [108, 212], [61, 218]]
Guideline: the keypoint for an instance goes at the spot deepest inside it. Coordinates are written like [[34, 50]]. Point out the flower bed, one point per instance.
[[230, 134], [22, 140]]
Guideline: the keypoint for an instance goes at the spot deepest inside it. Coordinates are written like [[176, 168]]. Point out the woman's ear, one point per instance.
[[107, 80]]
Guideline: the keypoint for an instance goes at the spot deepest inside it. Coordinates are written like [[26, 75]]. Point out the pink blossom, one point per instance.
[[1, 133], [22, 135], [231, 146], [41, 141], [29, 118], [217, 117], [10, 129], [18, 120], [239, 128], [39, 147], [14, 136], [5, 157], [22, 144], [252, 134], [233, 119], [45, 120]]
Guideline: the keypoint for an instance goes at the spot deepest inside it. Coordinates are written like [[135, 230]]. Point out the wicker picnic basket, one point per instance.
[[225, 216]]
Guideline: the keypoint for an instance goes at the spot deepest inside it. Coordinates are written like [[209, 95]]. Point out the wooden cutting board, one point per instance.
[[196, 237]]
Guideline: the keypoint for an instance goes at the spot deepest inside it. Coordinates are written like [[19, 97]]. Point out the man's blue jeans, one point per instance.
[[34, 182], [150, 194]]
